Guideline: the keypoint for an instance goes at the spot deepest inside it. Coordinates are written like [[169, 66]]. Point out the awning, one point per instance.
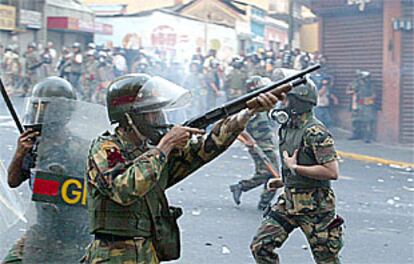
[[78, 25]]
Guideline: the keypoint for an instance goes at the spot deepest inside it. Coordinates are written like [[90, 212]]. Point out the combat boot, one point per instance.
[[236, 189]]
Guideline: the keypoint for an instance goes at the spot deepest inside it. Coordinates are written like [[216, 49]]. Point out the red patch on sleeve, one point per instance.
[[114, 157]]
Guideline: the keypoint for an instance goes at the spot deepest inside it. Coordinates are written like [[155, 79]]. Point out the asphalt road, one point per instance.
[[377, 202]]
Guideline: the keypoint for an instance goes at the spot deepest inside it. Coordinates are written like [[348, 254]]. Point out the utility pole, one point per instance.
[[291, 22]]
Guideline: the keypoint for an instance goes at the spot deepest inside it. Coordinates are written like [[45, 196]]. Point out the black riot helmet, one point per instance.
[[43, 93], [139, 101]]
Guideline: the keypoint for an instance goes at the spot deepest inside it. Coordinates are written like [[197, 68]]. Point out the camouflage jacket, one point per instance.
[[32, 63], [235, 83], [260, 128], [316, 147], [121, 177]]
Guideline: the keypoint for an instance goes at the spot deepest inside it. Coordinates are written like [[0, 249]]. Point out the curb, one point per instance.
[[372, 159]]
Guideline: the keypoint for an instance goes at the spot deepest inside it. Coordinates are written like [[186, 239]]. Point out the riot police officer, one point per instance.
[[60, 232], [234, 84], [362, 106]]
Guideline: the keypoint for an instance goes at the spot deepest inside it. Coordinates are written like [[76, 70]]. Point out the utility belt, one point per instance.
[[114, 238], [298, 201]]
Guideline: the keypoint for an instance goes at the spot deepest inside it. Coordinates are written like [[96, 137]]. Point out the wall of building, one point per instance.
[[174, 34], [309, 37], [388, 118]]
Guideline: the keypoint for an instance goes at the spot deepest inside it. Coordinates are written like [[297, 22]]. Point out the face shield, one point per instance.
[[153, 107], [158, 94], [58, 109], [34, 114]]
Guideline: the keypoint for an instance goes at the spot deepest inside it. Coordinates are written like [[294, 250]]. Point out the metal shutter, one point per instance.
[[407, 79], [352, 42]]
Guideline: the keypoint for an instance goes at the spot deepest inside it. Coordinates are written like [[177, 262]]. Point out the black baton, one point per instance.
[[10, 107]]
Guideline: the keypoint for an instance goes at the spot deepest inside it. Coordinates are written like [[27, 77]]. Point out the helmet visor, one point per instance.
[[35, 109], [159, 94]]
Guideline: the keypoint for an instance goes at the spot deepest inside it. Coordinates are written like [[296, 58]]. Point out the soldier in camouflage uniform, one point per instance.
[[235, 80], [90, 75], [60, 233], [261, 129], [308, 201], [362, 107], [130, 170], [12, 67], [31, 68]]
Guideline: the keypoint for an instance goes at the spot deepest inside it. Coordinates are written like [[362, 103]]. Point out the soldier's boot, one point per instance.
[[236, 189]]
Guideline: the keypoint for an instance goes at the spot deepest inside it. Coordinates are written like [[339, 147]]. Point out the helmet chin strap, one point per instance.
[[144, 141]]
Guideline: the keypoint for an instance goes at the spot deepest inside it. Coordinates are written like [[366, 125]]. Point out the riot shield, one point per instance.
[[59, 233], [11, 204]]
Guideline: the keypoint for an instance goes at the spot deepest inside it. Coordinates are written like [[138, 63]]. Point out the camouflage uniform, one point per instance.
[[31, 68], [90, 78], [306, 203], [260, 128], [235, 83], [120, 200]]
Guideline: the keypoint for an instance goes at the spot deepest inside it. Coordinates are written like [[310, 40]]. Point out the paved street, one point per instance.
[[376, 200]]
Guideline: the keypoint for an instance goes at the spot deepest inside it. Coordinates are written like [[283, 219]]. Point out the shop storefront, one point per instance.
[[7, 22]]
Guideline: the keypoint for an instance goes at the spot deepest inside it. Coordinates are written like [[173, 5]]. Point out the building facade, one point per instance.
[[376, 36], [60, 21]]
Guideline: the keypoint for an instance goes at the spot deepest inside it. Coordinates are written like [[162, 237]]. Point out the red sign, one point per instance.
[[104, 29], [75, 24], [164, 36]]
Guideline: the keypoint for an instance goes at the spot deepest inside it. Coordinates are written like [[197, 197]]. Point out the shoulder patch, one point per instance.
[[113, 153], [317, 134], [316, 130]]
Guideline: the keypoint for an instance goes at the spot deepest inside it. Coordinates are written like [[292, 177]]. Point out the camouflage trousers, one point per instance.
[[261, 175], [133, 251], [324, 238], [15, 254]]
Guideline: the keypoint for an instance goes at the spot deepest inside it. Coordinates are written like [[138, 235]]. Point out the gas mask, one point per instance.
[[289, 110]]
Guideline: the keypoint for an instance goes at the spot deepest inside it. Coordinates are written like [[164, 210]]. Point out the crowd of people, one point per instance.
[[212, 81]]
